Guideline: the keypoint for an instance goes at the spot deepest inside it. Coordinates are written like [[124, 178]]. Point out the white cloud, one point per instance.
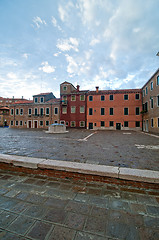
[[7, 62], [47, 68], [68, 44], [11, 75], [57, 54], [38, 22], [55, 24], [94, 41], [25, 55], [65, 11]]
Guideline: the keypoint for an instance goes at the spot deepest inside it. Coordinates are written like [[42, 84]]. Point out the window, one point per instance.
[[146, 90], [73, 109], [35, 99], [12, 111], [41, 123], [55, 121], [158, 122], [36, 111], [11, 123], [47, 123], [102, 111], [111, 97], [64, 88], [17, 111], [66, 123], [146, 107], [158, 101], [29, 111], [111, 124], [111, 111], [137, 111], [125, 96], [82, 124], [102, 123], [126, 124], [90, 111], [61, 122], [21, 123], [41, 111], [82, 97], [47, 111], [73, 124], [73, 98], [64, 110], [157, 82], [82, 109], [151, 102], [42, 99], [143, 93], [126, 111], [21, 111], [90, 98], [55, 110], [152, 122], [102, 98], [137, 96], [151, 86], [16, 123], [137, 123]]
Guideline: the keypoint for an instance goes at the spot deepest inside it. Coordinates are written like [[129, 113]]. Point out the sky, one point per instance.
[[107, 43]]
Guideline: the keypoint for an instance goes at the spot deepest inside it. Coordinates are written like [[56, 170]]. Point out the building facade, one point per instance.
[[150, 92], [114, 109], [73, 104], [39, 113], [4, 116]]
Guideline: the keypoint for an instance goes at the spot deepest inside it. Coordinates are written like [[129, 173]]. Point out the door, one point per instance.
[[90, 125], [35, 124], [29, 124], [147, 125], [118, 126]]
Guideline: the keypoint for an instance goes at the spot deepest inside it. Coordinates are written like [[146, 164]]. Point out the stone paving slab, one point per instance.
[[100, 211]]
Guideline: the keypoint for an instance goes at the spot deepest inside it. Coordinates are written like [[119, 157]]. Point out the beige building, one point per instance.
[[150, 111], [39, 113]]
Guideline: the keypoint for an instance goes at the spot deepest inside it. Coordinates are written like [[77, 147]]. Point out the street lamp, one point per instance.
[[157, 54]]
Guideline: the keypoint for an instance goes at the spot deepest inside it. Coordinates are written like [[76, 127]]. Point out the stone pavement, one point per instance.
[[41, 207]]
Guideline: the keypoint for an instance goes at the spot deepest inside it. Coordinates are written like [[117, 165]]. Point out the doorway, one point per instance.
[[90, 125], [35, 124], [118, 126], [29, 124]]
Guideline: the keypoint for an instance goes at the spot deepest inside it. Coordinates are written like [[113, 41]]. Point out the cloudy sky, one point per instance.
[[107, 43]]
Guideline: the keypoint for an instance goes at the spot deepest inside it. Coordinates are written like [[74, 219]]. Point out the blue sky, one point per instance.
[[107, 43]]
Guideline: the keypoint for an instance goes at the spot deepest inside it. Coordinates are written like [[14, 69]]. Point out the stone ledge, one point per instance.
[[90, 169], [139, 175]]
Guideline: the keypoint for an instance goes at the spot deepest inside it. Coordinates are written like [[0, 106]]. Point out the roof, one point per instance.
[[53, 100], [151, 78], [24, 101], [4, 108], [114, 91], [42, 94]]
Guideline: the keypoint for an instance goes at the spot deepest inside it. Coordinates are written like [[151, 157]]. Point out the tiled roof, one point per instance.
[[42, 94], [114, 91]]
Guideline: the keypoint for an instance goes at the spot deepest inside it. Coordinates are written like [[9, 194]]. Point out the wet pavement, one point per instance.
[[112, 148], [39, 207]]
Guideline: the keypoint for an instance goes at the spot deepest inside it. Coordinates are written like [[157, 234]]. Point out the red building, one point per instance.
[[72, 105], [114, 109]]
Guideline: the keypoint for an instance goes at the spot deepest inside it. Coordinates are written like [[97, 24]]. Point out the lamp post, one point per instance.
[[157, 54]]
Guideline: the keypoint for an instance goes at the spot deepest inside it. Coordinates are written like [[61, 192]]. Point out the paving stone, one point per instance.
[[21, 225], [152, 210], [151, 222], [75, 221], [118, 204], [7, 203], [65, 186], [94, 191], [78, 207], [146, 199], [122, 231], [128, 196], [80, 197], [22, 195], [4, 235], [3, 191], [40, 230], [35, 198], [98, 201], [87, 236], [55, 202], [20, 207], [65, 195], [62, 233], [55, 215], [96, 225], [53, 184], [149, 234], [30, 181], [6, 218], [138, 208], [110, 193], [99, 212], [35, 211], [12, 193]]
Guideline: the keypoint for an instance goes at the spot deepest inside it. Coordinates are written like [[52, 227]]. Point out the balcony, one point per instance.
[[64, 102]]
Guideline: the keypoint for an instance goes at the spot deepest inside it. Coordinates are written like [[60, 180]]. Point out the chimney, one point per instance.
[[13, 97], [22, 97], [78, 86], [97, 89]]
